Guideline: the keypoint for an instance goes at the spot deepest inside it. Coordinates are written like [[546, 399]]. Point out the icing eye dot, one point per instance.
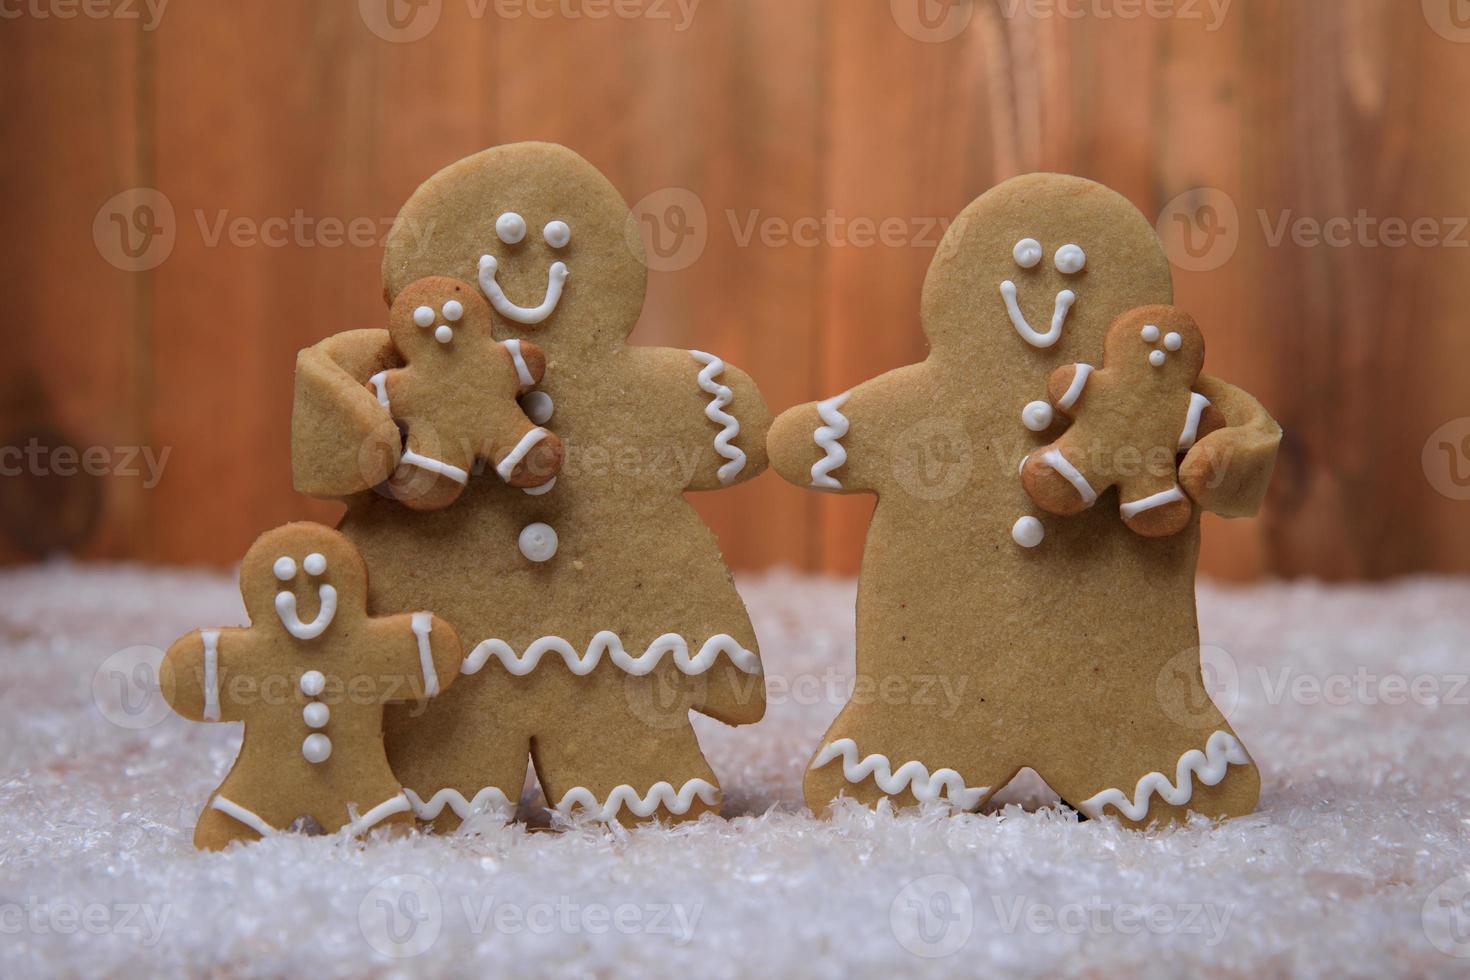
[[1027, 253], [1071, 260], [1150, 334], [453, 310], [557, 234], [314, 563], [511, 227], [1157, 358], [444, 334], [1173, 341], [284, 568], [424, 316]]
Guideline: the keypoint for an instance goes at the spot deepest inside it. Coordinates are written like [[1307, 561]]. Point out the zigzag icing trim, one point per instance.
[[1209, 767], [485, 800], [829, 437], [912, 776], [607, 643], [720, 398], [662, 794]]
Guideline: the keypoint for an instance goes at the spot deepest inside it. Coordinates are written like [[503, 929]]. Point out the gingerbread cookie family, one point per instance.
[[309, 678], [1076, 635], [597, 607]]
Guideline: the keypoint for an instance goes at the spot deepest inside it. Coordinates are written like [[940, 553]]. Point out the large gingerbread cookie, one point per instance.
[[598, 609], [1070, 643], [309, 678]]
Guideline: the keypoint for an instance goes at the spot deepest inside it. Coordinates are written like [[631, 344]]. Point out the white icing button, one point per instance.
[[1157, 358], [1027, 253], [511, 227], [284, 568], [538, 542], [557, 234], [1037, 416], [538, 406], [1150, 334], [316, 714], [444, 334], [313, 683], [453, 310], [1173, 341], [1028, 532], [1071, 260], [315, 563], [317, 748]]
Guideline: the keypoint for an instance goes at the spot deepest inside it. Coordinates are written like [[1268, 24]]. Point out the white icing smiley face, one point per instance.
[[1070, 260], [453, 311], [315, 565], [511, 228]]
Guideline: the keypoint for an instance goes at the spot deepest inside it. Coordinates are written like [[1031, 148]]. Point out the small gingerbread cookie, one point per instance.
[[456, 396], [1131, 419], [309, 678]]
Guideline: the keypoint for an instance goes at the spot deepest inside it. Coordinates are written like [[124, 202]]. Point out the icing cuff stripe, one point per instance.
[[523, 373], [422, 624], [237, 812], [1197, 405], [1137, 507], [661, 794], [379, 813], [1062, 465], [508, 465], [829, 438], [1074, 391], [1209, 767], [720, 398], [211, 674], [913, 776], [411, 458], [607, 643]]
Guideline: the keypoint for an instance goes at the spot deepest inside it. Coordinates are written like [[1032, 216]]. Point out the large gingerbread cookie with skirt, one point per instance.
[[596, 608], [1071, 641]]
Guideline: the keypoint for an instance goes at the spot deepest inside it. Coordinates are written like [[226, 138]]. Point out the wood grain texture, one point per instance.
[[779, 138]]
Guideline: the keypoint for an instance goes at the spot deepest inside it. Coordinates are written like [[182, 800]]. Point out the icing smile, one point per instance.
[[1070, 260], [510, 228]]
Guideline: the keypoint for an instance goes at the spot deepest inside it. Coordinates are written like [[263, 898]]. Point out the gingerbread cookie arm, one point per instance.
[[422, 649], [843, 444], [1227, 472], [343, 440], [1067, 386], [194, 670], [528, 361], [733, 696], [725, 422]]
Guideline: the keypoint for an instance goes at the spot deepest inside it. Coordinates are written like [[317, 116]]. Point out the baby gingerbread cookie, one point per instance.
[[1131, 419], [600, 610], [1071, 645], [456, 396], [309, 678]]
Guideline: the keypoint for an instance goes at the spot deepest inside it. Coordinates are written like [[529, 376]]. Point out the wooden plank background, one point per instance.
[[1223, 118]]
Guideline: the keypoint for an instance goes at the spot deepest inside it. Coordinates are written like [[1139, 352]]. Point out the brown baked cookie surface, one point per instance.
[[1066, 644]]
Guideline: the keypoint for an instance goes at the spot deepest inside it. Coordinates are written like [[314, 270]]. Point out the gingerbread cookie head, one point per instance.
[[1055, 257], [1157, 347], [302, 580], [546, 236]]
